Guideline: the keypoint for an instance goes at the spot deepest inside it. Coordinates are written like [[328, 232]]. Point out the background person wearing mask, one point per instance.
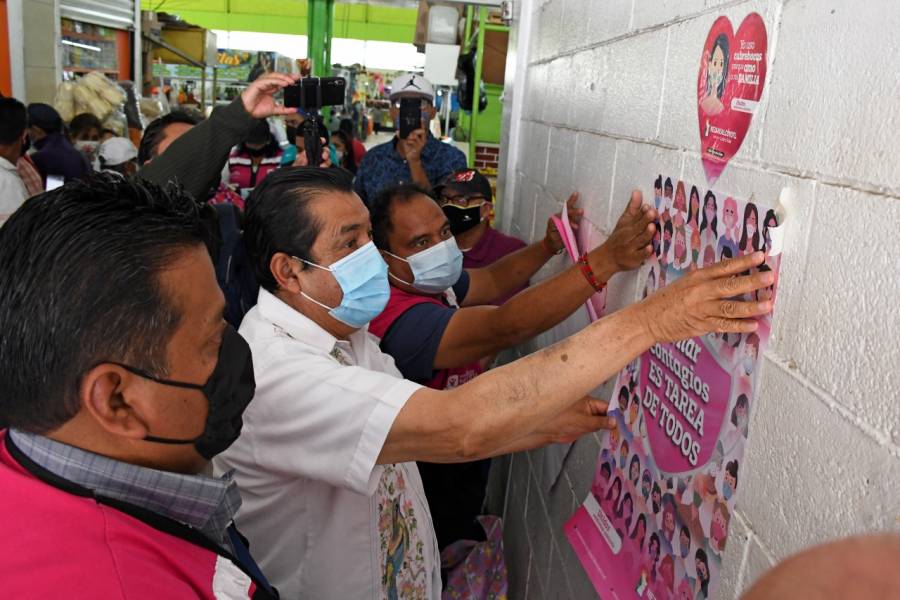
[[253, 160], [13, 121], [420, 158], [54, 156], [84, 134], [332, 500], [467, 199], [344, 150], [118, 155], [116, 399], [359, 150], [436, 343]]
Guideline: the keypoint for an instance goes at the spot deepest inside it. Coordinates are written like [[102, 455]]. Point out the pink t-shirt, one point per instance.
[[61, 545]]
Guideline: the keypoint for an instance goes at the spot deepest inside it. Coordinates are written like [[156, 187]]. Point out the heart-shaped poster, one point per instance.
[[729, 85]]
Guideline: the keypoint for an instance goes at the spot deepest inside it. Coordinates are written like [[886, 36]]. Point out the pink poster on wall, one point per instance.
[[655, 522], [730, 84]]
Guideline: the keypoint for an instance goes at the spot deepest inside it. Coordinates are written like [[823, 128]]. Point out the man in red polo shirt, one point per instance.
[[467, 200]]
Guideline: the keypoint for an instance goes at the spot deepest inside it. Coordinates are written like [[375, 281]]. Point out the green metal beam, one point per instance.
[[354, 21], [318, 47], [476, 85]]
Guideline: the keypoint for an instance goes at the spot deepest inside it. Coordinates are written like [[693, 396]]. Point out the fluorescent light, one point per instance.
[[85, 46]]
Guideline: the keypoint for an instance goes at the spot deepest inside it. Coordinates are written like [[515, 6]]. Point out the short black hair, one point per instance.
[[277, 217], [732, 469], [83, 122], [13, 120], [80, 285], [380, 210], [153, 134]]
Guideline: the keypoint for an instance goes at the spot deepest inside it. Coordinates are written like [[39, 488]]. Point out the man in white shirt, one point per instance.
[[332, 500], [13, 125]]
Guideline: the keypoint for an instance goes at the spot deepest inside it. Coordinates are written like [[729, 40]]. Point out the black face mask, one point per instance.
[[291, 132], [255, 151], [26, 145], [228, 390], [462, 219]]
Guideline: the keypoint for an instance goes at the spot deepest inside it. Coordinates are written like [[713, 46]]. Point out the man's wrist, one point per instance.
[[602, 263], [548, 247], [640, 318]]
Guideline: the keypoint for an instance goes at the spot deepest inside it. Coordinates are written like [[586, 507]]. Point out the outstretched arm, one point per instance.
[[477, 331], [514, 270], [195, 160], [489, 414]]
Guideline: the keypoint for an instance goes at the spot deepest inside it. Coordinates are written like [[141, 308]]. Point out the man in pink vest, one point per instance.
[[253, 160], [120, 382], [439, 322]]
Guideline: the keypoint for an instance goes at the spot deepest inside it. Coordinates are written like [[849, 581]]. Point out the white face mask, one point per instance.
[[339, 155], [87, 147], [751, 229]]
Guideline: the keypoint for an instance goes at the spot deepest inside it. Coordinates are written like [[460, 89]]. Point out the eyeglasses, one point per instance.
[[462, 201]]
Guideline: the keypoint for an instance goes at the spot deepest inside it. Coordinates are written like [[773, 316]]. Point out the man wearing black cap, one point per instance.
[[55, 155], [466, 198]]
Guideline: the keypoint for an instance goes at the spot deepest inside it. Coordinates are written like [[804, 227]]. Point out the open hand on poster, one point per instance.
[[553, 238], [585, 416], [702, 301], [628, 246]]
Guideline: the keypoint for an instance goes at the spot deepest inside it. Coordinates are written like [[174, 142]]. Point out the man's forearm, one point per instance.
[[195, 160], [510, 402], [540, 307], [419, 176]]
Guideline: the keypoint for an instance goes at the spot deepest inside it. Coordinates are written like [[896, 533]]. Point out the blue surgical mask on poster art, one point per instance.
[[727, 491]]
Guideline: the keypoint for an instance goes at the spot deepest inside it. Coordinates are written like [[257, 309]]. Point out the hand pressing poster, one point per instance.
[[655, 522]]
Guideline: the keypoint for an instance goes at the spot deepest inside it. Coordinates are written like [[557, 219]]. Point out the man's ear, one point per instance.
[[283, 269], [103, 394], [487, 211]]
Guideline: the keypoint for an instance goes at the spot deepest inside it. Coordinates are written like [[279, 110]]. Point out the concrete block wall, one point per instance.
[[608, 101]]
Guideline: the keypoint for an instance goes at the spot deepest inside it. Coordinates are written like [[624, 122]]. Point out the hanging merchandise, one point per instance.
[[465, 75]]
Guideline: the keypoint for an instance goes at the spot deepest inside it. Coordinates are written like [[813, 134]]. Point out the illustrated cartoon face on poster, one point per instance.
[[655, 522]]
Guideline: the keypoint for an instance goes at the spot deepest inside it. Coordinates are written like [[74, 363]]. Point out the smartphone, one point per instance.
[[312, 93], [410, 116]]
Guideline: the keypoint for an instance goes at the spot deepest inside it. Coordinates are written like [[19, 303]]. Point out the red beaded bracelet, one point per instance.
[[588, 273]]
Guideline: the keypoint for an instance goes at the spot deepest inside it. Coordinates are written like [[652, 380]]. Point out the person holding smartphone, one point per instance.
[[410, 157]]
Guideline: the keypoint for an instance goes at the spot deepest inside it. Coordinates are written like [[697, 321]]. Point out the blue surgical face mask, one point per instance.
[[434, 269], [362, 276], [727, 490]]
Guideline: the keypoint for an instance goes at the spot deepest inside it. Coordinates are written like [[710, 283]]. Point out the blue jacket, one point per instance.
[[56, 156], [383, 167]]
